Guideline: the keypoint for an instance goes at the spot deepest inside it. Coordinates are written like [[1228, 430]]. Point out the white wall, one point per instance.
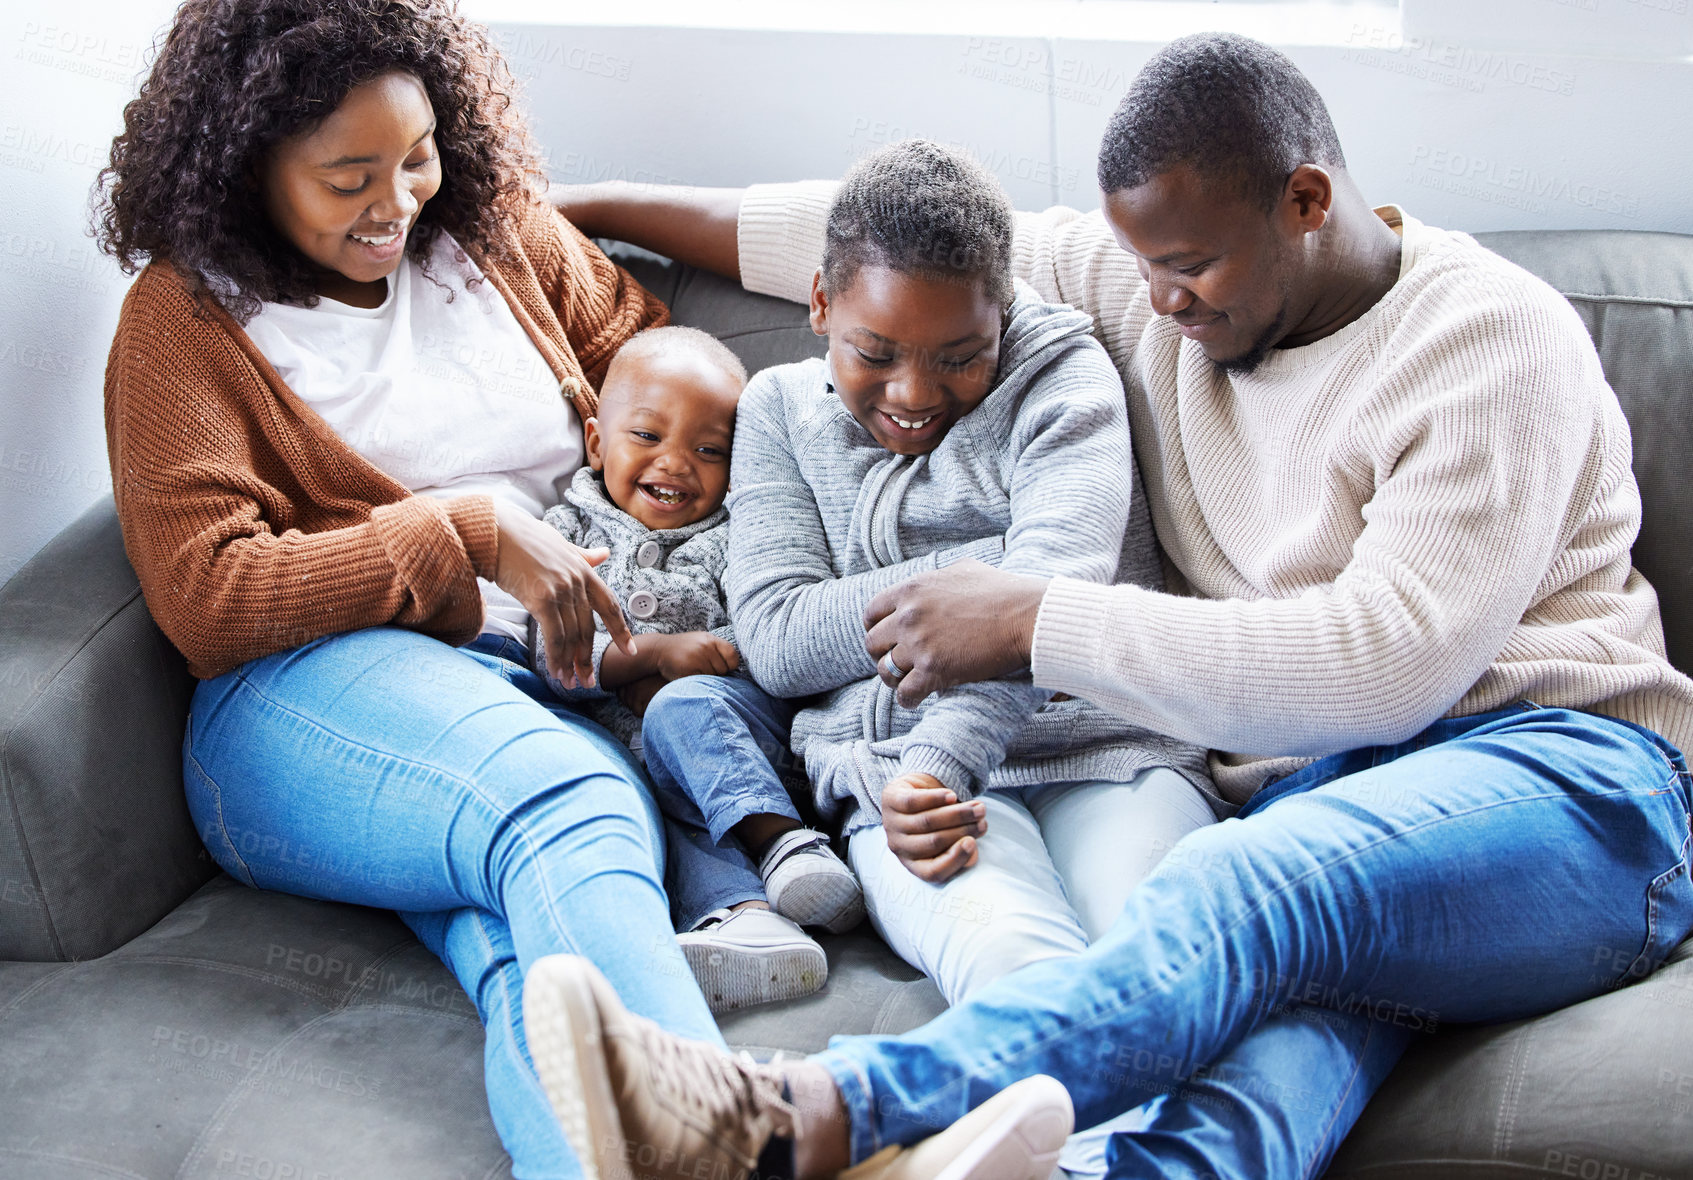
[[67, 71], [1464, 132], [1475, 114]]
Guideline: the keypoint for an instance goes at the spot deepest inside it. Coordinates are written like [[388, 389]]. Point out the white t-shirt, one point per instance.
[[448, 398]]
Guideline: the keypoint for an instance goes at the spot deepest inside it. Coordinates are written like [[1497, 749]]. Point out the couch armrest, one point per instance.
[[95, 839]]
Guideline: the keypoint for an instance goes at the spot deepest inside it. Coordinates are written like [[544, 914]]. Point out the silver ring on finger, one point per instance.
[[893, 669]]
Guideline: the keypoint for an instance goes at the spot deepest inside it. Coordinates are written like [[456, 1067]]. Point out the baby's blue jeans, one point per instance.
[[383, 768], [715, 747], [1267, 975]]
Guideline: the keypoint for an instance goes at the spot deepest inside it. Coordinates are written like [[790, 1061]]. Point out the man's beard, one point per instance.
[[1261, 347]]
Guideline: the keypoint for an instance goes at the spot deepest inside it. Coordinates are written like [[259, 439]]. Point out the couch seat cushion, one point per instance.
[[247, 1034], [1602, 1090], [257, 1034]]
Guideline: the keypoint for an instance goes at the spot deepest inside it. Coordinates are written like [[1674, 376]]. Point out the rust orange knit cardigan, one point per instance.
[[253, 528]]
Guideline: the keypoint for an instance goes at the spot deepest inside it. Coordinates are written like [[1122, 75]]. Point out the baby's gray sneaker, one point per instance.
[[752, 956], [807, 882]]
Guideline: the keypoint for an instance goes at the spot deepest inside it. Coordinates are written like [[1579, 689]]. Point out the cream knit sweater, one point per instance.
[[1427, 513]]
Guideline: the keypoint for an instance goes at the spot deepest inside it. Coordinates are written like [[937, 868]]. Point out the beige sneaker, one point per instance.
[[1015, 1135], [636, 1102]]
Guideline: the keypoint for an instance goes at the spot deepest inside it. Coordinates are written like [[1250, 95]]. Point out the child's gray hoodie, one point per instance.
[[1038, 478], [667, 581]]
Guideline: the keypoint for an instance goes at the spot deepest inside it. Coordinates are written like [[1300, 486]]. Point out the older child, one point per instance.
[[652, 495], [955, 417]]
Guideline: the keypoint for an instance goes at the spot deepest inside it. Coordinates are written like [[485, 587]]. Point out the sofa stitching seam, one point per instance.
[[12, 1004], [60, 1157], [227, 1108], [1635, 300]]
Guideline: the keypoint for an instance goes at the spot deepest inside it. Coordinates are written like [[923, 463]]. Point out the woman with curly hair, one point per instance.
[[347, 381]]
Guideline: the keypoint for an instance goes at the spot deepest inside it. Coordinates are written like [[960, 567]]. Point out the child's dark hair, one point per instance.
[[233, 78], [920, 209]]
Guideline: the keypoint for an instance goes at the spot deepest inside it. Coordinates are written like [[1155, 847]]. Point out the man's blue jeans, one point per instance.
[[383, 768], [1267, 975], [713, 746]]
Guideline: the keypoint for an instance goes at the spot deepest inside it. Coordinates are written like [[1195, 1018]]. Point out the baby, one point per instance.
[[713, 742]]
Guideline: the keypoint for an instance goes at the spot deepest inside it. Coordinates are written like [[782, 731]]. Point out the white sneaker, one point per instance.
[[806, 882], [752, 956], [1015, 1135]]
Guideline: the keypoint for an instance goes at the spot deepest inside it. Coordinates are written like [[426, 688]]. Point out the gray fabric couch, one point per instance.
[[159, 1020]]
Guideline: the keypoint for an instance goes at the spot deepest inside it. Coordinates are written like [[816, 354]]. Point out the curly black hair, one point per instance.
[[233, 78], [919, 208], [1233, 109]]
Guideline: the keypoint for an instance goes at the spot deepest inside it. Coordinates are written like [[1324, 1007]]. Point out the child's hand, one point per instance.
[[694, 653], [638, 694], [932, 833]]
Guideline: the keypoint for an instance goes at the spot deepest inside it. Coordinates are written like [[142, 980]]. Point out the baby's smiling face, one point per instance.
[[662, 436]]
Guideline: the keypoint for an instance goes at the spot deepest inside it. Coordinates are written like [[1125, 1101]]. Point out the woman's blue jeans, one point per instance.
[[384, 768], [1266, 976]]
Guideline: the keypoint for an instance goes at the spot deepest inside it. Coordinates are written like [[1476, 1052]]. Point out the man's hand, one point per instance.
[[684, 222], [932, 833], [952, 626], [638, 694], [555, 582]]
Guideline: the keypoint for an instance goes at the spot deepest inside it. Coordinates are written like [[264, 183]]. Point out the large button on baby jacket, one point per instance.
[[648, 554], [643, 604]]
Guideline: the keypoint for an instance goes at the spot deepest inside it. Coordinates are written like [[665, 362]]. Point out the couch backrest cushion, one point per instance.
[[1635, 293], [761, 330]]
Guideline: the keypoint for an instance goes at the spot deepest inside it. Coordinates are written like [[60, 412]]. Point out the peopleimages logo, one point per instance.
[[27, 355], [234, 1063], [1006, 165], [1451, 64], [79, 51], [1036, 69], [528, 53], [1483, 172], [27, 147]]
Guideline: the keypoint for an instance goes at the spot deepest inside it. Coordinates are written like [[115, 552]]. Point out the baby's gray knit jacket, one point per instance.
[[1038, 478], [667, 580]]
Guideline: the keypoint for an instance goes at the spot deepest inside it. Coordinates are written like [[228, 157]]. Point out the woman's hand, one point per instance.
[[952, 626], [555, 581], [932, 833]]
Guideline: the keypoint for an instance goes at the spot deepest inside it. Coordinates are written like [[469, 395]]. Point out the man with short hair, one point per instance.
[[1387, 469]]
